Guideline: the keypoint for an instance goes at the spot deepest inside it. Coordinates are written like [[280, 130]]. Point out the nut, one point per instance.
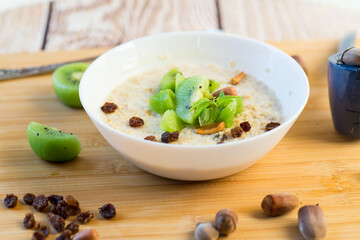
[[206, 231], [300, 61], [235, 80], [279, 204], [211, 128], [88, 234], [227, 91], [312, 222], [226, 221], [351, 56]]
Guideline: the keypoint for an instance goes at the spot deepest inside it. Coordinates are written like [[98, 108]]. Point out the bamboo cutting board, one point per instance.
[[312, 161]]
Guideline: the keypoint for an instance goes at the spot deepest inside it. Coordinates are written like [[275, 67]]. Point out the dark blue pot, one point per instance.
[[344, 95]]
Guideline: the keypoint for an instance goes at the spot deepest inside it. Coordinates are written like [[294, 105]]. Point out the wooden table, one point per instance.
[[312, 161]]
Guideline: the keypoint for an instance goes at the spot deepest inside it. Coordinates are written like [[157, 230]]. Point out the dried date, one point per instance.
[[40, 202], [245, 126], [10, 200], [85, 217], [29, 198], [57, 222], [29, 221], [108, 211], [109, 107], [136, 122], [73, 205]]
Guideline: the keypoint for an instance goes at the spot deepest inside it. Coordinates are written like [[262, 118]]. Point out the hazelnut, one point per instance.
[[351, 56], [206, 231], [311, 222], [279, 204], [226, 221]]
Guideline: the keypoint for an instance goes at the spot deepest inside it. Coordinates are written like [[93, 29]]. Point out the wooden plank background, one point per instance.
[[76, 24]]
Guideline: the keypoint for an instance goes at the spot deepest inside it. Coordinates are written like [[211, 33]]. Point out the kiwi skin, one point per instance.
[[52, 144]]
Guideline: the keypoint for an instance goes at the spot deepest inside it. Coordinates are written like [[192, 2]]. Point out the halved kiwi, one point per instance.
[[52, 144], [66, 80]]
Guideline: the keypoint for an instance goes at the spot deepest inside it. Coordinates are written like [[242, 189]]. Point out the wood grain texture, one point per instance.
[[23, 29], [312, 161], [94, 23], [276, 20]]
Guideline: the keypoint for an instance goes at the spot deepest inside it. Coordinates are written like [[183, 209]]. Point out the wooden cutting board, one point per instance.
[[312, 161]]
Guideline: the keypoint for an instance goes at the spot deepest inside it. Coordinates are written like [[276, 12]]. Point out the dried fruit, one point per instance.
[[226, 221], [235, 80], [72, 227], [29, 221], [166, 137], [151, 138], [109, 107], [245, 126], [85, 217], [206, 231], [38, 235], [40, 202], [136, 122], [66, 235], [108, 211], [57, 222], [54, 199], [312, 222], [236, 132], [174, 136], [43, 228], [279, 204], [227, 91], [351, 56], [88, 234], [271, 126], [29, 198], [73, 205], [61, 208], [210, 129], [10, 200]]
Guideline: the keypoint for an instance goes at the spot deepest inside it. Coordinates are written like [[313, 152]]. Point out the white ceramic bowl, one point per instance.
[[268, 64]]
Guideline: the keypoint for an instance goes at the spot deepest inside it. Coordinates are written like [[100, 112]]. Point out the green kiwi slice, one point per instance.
[[178, 79], [227, 114], [190, 91], [66, 80], [170, 122], [52, 144], [162, 101], [168, 80], [213, 85]]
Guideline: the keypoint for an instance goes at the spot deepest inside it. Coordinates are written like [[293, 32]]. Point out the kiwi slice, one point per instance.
[[66, 80], [52, 144], [170, 122], [213, 85], [190, 91], [168, 80], [178, 79], [227, 114], [162, 101]]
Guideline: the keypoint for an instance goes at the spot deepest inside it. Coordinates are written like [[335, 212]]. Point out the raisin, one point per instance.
[[166, 137], [73, 205], [245, 126], [85, 217], [43, 228], [174, 136], [10, 200], [61, 208], [66, 235], [72, 227], [57, 222], [107, 211], [236, 132], [109, 107], [54, 199], [38, 235], [40, 202], [151, 138], [271, 126], [29, 221], [136, 122], [29, 198]]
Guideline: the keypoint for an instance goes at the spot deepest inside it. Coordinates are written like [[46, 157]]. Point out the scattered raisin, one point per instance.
[[85, 217], [220, 138], [10, 200], [57, 222], [72, 227], [29, 221], [61, 208], [43, 228], [151, 138], [54, 199], [236, 132], [73, 205], [271, 126], [174, 136], [40, 202], [109, 107], [245, 126], [29, 198], [166, 137], [38, 235], [107, 211], [136, 122], [66, 235]]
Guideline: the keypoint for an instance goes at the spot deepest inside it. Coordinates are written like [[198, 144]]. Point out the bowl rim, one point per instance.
[[199, 34]]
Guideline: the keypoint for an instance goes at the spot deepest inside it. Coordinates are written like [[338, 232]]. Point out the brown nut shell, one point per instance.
[[279, 204], [227, 91], [206, 231], [312, 224], [88, 234], [351, 56], [226, 221]]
